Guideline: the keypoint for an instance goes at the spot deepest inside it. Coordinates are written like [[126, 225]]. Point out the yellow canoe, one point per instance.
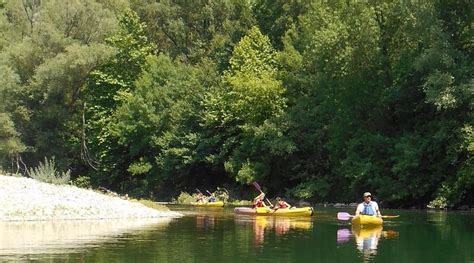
[[301, 211], [209, 204], [363, 220]]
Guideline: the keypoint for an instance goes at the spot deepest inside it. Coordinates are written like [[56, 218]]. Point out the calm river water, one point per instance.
[[217, 235]]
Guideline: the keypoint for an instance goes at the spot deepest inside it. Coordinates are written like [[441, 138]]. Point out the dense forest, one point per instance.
[[319, 100]]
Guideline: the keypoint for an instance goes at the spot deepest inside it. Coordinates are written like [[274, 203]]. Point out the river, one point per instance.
[[217, 235]]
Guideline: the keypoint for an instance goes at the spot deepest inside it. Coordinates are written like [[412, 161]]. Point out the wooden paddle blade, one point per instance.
[[388, 217], [343, 216]]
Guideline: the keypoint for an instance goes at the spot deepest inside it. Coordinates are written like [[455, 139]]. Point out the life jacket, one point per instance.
[[282, 204], [258, 203], [368, 209]]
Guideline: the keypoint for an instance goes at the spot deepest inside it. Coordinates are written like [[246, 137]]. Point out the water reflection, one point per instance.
[[278, 225], [366, 238], [437, 217], [343, 235], [205, 222], [67, 236], [231, 238]]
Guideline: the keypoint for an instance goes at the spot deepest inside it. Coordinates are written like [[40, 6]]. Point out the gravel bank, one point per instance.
[[27, 199]]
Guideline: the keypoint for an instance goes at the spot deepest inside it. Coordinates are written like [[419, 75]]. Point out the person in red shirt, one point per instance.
[[258, 201], [281, 204]]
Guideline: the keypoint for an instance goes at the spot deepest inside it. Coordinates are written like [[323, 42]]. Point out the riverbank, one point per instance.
[[25, 199]]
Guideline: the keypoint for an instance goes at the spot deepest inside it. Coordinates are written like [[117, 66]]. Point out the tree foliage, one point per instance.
[[313, 99], [195, 30], [52, 48], [107, 89], [250, 109]]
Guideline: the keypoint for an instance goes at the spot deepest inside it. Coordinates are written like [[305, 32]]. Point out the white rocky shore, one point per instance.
[[24, 199]]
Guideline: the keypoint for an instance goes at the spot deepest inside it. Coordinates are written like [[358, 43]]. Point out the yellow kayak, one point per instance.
[[209, 204], [301, 211], [362, 220]]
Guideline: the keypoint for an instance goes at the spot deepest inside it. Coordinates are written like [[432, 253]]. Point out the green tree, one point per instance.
[[249, 109], [108, 88], [276, 17], [195, 30], [52, 46], [379, 87], [158, 127], [10, 143], [330, 66]]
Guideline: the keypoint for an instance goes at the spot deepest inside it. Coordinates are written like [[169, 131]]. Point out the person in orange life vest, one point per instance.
[[281, 204], [368, 207], [258, 201]]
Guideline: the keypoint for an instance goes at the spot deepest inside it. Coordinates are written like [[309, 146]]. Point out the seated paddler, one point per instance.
[[368, 207]]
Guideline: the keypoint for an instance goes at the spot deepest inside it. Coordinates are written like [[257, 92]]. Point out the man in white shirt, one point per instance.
[[368, 207]]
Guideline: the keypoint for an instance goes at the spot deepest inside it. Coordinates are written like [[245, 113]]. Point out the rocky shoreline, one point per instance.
[[25, 199]]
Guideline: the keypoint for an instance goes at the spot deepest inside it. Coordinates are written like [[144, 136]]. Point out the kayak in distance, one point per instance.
[[365, 220], [301, 211], [208, 204]]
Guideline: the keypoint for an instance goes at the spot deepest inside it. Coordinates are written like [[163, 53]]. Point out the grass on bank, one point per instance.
[[46, 172]]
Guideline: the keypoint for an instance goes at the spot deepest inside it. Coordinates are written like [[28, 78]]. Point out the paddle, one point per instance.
[[260, 189], [347, 216], [344, 216]]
